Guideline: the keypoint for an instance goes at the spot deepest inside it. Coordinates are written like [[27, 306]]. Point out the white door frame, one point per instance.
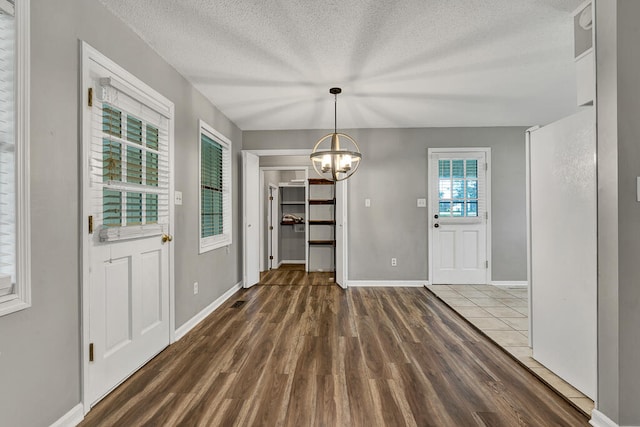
[[487, 151], [299, 152], [262, 205], [90, 54], [342, 234]]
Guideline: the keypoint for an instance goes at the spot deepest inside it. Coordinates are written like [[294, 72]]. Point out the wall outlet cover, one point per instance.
[[422, 203], [177, 195]]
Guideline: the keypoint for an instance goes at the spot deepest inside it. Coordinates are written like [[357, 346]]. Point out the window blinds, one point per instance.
[[215, 190], [129, 165], [461, 195], [7, 150]]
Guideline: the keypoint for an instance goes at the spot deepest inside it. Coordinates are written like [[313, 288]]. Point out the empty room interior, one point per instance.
[[334, 213]]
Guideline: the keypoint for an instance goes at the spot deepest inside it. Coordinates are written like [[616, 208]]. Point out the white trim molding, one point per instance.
[[598, 419], [193, 322], [387, 283], [71, 418], [522, 283], [21, 296]]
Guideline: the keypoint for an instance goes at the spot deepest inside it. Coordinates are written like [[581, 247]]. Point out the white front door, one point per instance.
[[126, 193], [251, 218], [458, 200]]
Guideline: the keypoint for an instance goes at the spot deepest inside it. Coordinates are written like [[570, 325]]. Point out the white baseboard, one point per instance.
[[71, 418], [509, 283], [598, 419], [292, 261], [388, 283], [191, 323]]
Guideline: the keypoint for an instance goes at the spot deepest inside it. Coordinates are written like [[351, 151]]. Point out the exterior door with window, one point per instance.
[[458, 207], [127, 187]]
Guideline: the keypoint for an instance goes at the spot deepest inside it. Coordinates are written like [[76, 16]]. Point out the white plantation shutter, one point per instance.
[[215, 189], [462, 187], [129, 163], [7, 151]]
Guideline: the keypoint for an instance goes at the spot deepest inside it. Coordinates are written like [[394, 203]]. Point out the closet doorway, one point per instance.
[[283, 235]]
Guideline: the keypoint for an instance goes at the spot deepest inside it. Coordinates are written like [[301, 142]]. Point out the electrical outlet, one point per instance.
[[195, 288], [394, 262], [367, 203]]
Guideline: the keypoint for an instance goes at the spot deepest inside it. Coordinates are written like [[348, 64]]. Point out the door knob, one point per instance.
[[167, 238], [436, 225], [436, 216]]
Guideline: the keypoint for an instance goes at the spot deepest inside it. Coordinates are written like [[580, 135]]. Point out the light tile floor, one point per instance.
[[502, 314]]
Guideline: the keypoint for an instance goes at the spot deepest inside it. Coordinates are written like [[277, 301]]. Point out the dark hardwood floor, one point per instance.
[[296, 355], [295, 274]]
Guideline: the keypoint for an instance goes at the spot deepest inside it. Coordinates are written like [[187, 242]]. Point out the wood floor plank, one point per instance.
[[307, 354]]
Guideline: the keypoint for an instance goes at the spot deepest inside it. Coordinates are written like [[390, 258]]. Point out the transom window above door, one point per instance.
[[458, 187]]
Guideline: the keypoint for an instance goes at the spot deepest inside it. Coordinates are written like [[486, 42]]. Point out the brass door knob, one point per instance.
[[167, 238]]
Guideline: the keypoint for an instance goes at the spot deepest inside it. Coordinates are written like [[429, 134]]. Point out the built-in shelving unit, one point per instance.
[[322, 221]]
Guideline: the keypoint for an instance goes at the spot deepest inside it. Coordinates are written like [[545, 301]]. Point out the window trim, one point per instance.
[[21, 296], [210, 243]]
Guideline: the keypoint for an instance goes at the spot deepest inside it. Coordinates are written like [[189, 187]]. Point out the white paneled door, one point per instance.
[[458, 200], [129, 309], [126, 251]]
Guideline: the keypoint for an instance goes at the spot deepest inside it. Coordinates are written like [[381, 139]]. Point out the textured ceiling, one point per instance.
[[269, 64]]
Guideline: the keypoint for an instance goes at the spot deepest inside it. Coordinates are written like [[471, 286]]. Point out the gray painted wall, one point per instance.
[[618, 67], [393, 175], [40, 346]]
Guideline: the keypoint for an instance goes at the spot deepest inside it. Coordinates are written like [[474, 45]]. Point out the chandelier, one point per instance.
[[336, 156]]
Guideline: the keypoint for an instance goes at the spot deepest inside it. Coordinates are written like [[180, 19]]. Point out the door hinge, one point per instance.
[[486, 215], [486, 264], [91, 352], [270, 256], [90, 224], [271, 227], [270, 197], [90, 100], [486, 166]]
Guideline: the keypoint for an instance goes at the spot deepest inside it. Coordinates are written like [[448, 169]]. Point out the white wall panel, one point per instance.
[[563, 249]]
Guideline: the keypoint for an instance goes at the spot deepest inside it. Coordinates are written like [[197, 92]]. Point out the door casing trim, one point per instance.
[[296, 152]]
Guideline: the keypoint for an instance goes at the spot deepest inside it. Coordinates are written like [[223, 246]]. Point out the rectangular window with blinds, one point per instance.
[[131, 182], [15, 291], [458, 187], [215, 189]]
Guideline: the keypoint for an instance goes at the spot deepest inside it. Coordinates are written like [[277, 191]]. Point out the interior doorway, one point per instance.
[[256, 220], [283, 225]]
